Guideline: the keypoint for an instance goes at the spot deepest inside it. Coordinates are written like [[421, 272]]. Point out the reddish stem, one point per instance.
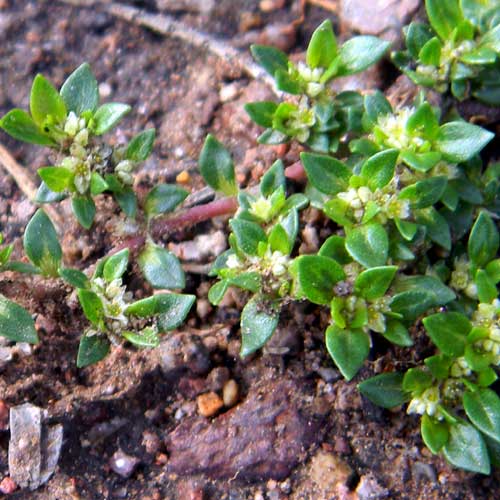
[[194, 215], [296, 172]]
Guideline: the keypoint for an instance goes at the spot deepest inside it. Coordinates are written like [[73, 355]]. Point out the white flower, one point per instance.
[[71, 125], [279, 263], [233, 262]]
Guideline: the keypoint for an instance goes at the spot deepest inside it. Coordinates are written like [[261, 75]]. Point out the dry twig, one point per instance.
[[26, 184]]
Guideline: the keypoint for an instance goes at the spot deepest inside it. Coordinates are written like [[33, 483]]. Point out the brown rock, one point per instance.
[[262, 438], [4, 415], [217, 378], [209, 404]]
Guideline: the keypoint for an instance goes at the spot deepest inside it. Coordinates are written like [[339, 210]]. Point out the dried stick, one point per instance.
[[26, 184]]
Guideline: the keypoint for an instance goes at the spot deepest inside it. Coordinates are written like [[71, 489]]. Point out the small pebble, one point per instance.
[[151, 442], [228, 92], [217, 378], [209, 404], [7, 486], [230, 393], [123, 464], [105, 90], [183, 177]]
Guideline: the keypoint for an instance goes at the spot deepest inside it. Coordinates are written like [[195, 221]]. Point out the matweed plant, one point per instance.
[[413, 212]]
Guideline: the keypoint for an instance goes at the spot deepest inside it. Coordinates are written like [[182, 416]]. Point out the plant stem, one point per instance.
[[194, 215]]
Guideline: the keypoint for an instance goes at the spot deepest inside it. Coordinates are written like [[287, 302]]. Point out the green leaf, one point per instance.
[[127, 200], [334, 247], [325, 173], [46, 195], [322, 48], [460, 141], [448, 331], [348, 349], [486, 289], [146, 339], [251, 281], [406, 229], [261, 113], [359, 53], [42, 245], [436, 226], [80, 91], [466, 449], [439, 365], [423, 121], [216, 167], [374, 283], [440, 293], [278, 240], [108, 115], [140, 147], [270, 58], [435, 434], [444, 16], [56, 178], [84, 210], [248, 235], [161, 268], [483, 241], [74, 277], [384, 390], [417, 35], [258, 323], [317, 277], [422, 162], [397, 333], [115, 265], [368, 245], [19, 124], [412, 303], [376, 105], [16, 324], [417, 380], [273, 179], [378, 170], [430, 54], [217, 292], [483, 409], [92, 306], [425, 193], [97, 184], [92, 349], [173, 307], [164, 198], [45, 101]]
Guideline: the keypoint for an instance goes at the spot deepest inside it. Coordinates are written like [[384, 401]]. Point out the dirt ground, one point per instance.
[[297, 430]]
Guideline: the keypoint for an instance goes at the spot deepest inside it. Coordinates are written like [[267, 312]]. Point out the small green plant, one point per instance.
[[71, 122], [459, 51], [313, 114]]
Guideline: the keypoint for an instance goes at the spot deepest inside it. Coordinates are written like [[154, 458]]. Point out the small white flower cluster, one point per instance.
[[301, 121], [460, 368], [261, 208], [449, 55], [461, 279], [115, 299], [393, 128], [312, 77], [390, 206], [275, 262], [488, 316], [123, 171], [376, 314], [426, 403], [82, 159]]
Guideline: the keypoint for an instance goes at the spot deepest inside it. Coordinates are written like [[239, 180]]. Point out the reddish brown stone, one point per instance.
[[263, 437]]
